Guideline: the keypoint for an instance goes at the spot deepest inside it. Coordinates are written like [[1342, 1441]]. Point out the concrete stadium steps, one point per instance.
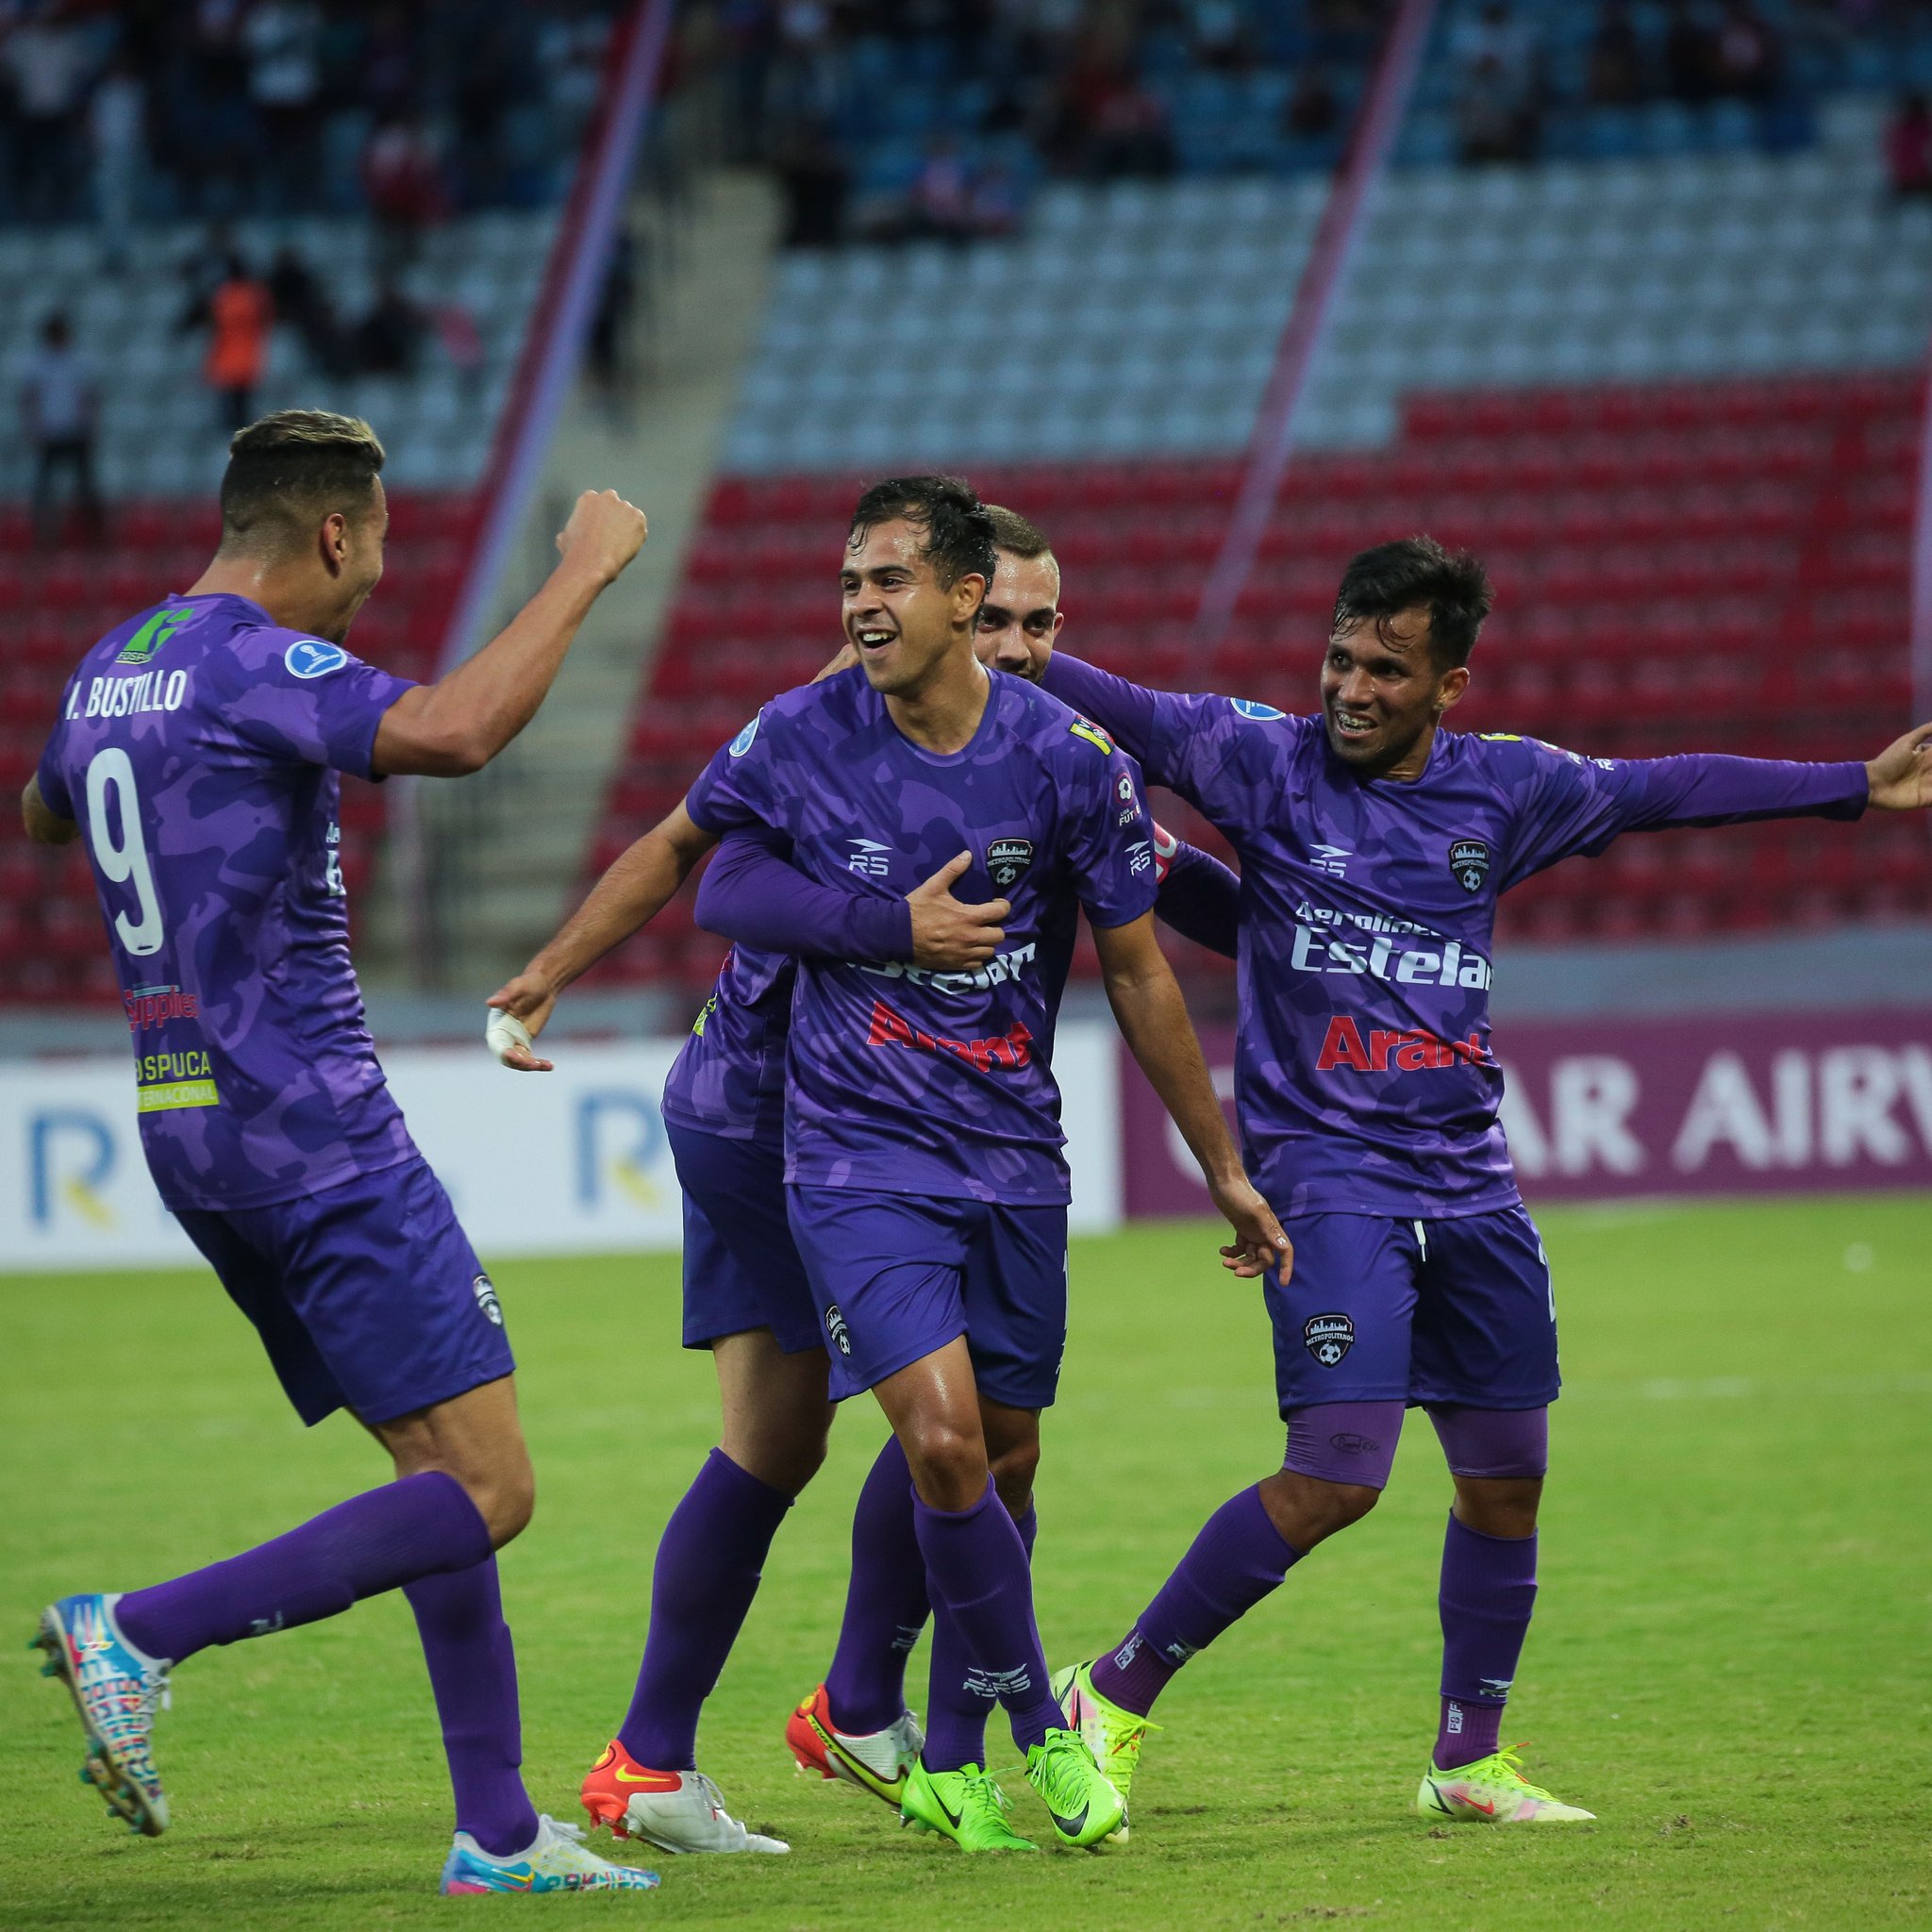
[[1718, 568]]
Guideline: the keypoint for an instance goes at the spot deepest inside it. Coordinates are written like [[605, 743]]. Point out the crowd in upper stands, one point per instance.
[[124, 109]]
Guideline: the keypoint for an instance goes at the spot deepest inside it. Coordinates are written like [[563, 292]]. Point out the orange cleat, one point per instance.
[[614, 1781], [876, 1761]]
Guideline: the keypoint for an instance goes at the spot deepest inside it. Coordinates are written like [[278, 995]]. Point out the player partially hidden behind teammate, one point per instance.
[[1374, 846], [197, 754]]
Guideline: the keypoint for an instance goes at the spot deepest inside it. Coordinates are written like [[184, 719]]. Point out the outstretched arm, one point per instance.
[[1128, 711], [1153, 1018], [754, 895], [459, 723], [1199, 896], [1900, 778], [639, 884]]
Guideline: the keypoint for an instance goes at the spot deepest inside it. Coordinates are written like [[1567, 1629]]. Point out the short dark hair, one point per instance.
[[1011, 531], [958, 528], [289, 470], [1393, 577]]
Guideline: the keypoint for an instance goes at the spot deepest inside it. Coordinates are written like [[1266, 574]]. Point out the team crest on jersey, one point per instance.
[[1328, 1337], [1252, 707], [1468, 859], [491, 1308], [743, 742], [311, 658], [1006, 858], [836, 1330]]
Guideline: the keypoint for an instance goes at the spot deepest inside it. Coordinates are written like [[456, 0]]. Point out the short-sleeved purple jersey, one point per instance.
[[1364, 1080], [198, 746], [906, 1081]]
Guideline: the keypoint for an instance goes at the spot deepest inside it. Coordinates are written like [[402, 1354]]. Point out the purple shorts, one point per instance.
[[741, 1265], [895, 1277], [368, 1296], [1456, 1311]]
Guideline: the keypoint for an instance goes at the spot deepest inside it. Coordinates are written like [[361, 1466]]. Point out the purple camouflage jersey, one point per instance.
[[1364, 1080], [729, 1076], [198, 747], [901, 1080]]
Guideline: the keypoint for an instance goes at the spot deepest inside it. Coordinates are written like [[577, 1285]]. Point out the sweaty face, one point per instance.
[[899, 616], [1382, 690], [1022, 611]]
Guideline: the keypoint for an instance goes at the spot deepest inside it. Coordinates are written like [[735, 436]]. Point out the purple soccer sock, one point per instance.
[[472, 1671], [976, 1569], [886, 1602], [961, 1700], [1489, 1591], [1236, 1560], [709, 1560], [419, 1526]]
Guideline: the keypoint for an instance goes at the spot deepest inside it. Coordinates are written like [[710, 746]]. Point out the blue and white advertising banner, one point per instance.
[[570, 1162]]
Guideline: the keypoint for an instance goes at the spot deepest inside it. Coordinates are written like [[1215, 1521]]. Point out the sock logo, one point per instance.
[[1127, 1652], [993, 1685], [835, 1327], [1349, 1444], [1179, 1652], [1495, 1687], [1452, 1722], [1328, 1337], [491, 1309]]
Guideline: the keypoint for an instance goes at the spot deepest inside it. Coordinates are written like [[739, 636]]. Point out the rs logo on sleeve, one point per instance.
[[311, 658]]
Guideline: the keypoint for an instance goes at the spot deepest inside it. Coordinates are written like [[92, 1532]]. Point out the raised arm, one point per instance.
[[753, 895], [639, 884], [1153, 1018], [457, 724]]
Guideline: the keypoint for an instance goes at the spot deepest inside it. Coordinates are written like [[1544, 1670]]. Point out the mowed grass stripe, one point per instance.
[[1729, 1661]]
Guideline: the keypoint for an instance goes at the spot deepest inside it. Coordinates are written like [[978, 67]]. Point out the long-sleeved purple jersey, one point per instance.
[[1364, 1080], [198, 746]]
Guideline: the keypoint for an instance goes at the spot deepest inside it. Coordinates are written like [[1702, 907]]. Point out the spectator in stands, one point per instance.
[[998, 201], [238, 314], [1909, 150], [59, 404], [1312, 110], [117, 140], [301, 302], [404, 189], [282, 39], [942, 198], [1497, 81], [1745, 54], [49, 61], [608, 357], [815, 181], [1618, 67], [389, 338], [1126, 131], [1218, 30], [1690, 55]]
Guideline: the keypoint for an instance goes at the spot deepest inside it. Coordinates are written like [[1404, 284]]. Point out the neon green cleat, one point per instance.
[[964, 1806], [1083, 1805], [1493, 1790], [1114, 1736]]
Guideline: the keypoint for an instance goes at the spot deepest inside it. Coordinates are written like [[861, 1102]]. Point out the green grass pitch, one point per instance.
[[1730, 1663]]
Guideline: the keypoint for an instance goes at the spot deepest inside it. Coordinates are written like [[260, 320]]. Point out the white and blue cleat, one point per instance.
[[116, 1690], [558, 1861]]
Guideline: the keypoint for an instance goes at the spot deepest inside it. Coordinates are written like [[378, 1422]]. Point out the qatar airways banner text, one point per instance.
[[1766, 1103]]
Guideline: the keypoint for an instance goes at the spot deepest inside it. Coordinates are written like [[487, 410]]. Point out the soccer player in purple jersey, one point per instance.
[[1374, 847], [196, 754], [747, 1300]]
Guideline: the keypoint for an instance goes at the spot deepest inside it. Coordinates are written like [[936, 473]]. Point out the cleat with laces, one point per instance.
[[965, 1806], [876, 1761], [558, 1861], [1084, 1807], [1112, 1734], [116, 1690], [674, 1811], [1493, 1790]]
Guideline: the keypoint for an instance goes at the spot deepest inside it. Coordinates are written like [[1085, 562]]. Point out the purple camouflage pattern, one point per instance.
[[729, 1077], [198, 747], [901, 1080], [1364, 1079]]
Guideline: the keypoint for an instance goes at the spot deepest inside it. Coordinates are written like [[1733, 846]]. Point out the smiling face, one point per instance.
[[1383, 693], [900, 619], [1022, 611]]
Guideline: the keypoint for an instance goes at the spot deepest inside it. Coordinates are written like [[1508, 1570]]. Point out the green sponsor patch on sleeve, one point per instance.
[[166, 1096]]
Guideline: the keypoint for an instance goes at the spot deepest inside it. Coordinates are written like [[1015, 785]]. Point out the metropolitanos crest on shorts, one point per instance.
[[1328, 1337], [1006, 858], [1468, 859]]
